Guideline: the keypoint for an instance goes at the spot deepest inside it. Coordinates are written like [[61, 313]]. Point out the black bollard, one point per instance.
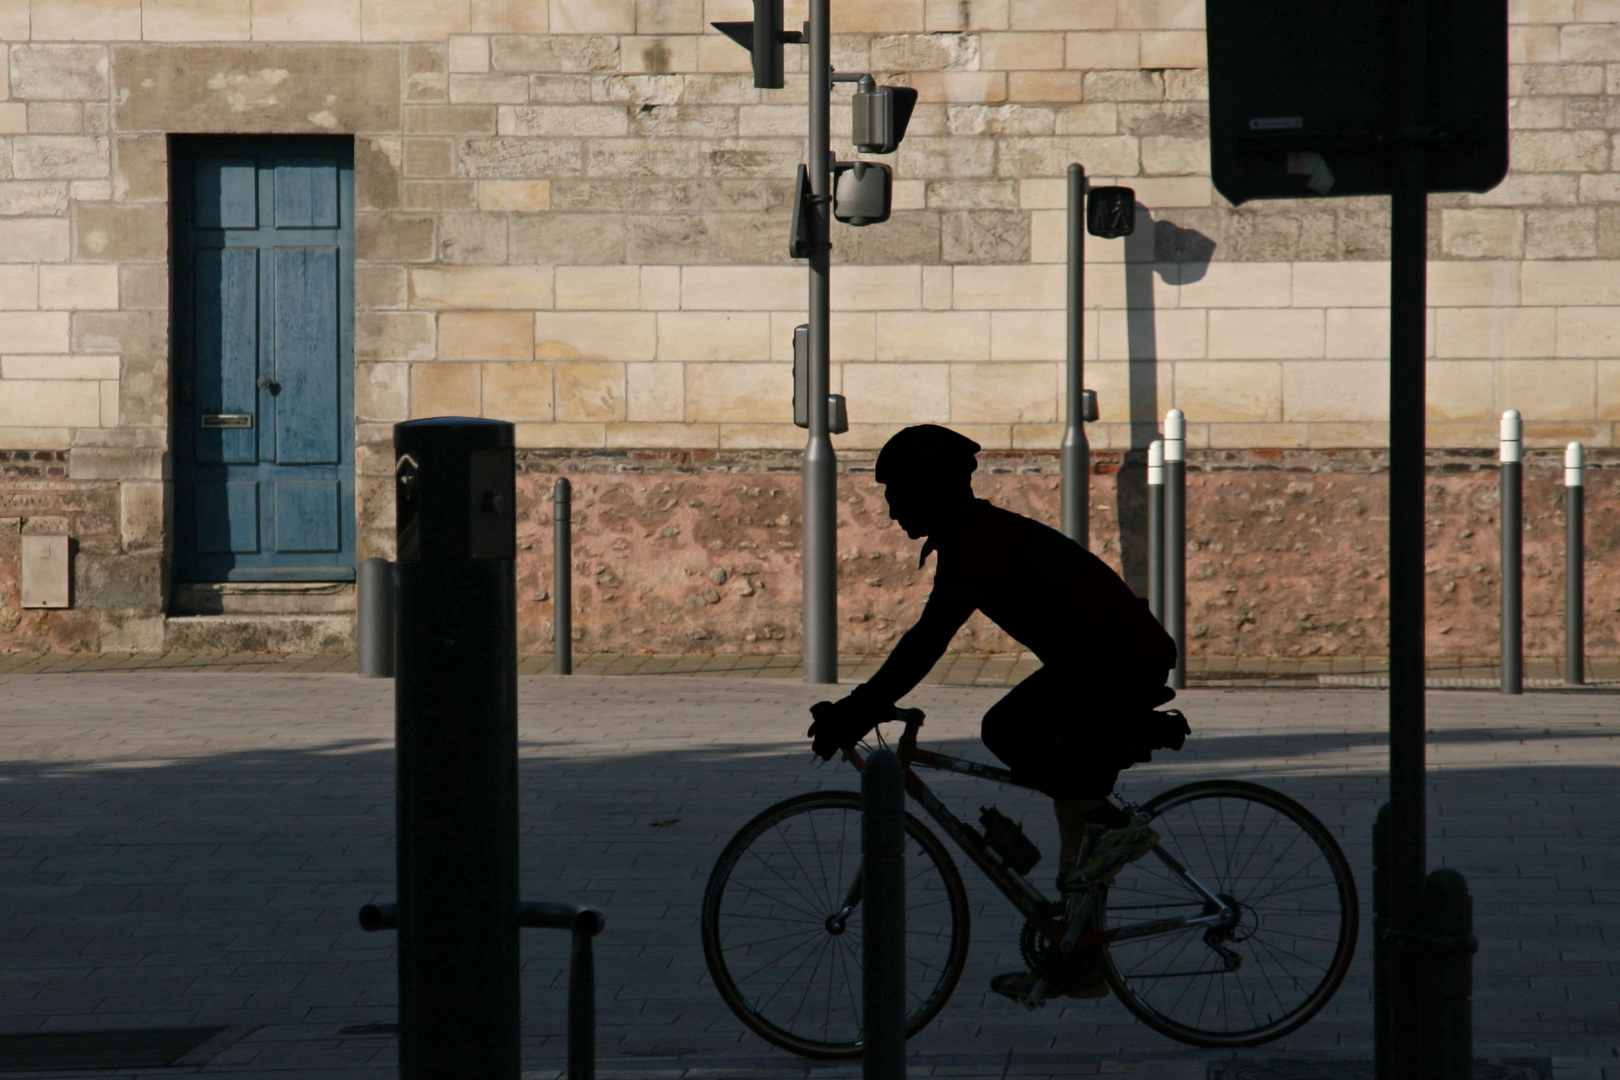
[[374, 619], [455, 709], [1383, 986], [1447, 1002], [1155, 529], [883, 952], [562, 573], [1574, 565], [1175, 540], [1512, 464]]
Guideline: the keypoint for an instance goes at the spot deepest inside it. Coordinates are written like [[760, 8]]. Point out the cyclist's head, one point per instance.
[[927, 454], [926, 471]]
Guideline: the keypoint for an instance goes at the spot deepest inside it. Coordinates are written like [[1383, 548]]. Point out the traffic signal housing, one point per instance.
[[862, 191], [763, 38], [881, 114]]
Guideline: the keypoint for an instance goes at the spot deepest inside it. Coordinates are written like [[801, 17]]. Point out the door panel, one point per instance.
[[306, 349], [227, 517], [227, 194], [307, 515], [225, 310], [264, 422], [307, 194]]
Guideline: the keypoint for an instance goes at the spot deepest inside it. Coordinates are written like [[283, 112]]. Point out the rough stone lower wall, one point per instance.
[[36, 496], [1287, 552], [698, 551]]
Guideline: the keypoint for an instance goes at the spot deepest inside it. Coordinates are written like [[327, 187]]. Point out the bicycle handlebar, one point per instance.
[[913, 719]]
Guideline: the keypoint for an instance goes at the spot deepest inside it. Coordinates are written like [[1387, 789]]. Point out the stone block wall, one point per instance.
[[571, 214]]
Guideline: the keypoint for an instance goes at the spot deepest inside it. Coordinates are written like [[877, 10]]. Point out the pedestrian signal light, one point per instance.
[[1111, 212], [861, 192]]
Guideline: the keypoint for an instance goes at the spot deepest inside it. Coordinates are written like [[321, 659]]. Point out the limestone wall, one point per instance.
[[572, 214]]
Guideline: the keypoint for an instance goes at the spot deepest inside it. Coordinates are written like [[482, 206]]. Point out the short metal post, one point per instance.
[[1076, 451], [883, 951], [562, 573], [1574, 565], [582, 1007], [1155, 529], [1175, 540], [1448, 964], [1512, 458], [374, 621], [585, 922], [1383, 997]]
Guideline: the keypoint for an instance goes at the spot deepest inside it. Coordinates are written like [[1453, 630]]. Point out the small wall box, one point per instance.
[[45, 574]]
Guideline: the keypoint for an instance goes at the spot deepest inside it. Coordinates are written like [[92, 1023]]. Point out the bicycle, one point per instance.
[[1233, 931]]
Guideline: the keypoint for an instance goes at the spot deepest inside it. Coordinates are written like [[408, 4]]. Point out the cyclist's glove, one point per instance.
[[839, 725]]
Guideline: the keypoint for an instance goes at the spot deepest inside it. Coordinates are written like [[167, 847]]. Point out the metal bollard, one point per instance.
[[1448, 949], [1382, 973], [1155, 529], [586, 923], [374, 620], [1574, 565], [562, 573], [455, 707], [1175, 540], [1512, 458], [883, 950]]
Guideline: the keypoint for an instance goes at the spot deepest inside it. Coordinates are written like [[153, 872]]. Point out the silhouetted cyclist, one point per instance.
[[1071, 727]]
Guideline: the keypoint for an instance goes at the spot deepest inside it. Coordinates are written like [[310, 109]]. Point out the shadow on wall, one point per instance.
[[1180, 256]]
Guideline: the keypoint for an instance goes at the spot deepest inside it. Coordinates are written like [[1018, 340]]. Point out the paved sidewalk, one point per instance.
[[954, 669], [182, 850]]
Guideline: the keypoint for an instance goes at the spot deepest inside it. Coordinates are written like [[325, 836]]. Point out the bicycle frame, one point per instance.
[[1049, 917]]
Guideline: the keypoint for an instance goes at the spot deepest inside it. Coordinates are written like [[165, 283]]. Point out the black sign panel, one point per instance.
[[1304, 103]]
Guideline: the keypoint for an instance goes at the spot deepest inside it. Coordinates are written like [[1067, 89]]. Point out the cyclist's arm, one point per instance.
[[918, 650]]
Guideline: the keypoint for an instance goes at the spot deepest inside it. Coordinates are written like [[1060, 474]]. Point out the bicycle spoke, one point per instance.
[[791, 887], [812, 916], [1257, 850], [767, 941]]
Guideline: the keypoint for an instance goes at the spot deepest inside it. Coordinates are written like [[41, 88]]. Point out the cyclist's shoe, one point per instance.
[[1018, 985], [1106, 854]]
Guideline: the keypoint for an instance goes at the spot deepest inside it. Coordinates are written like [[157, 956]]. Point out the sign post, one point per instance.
[[1399, 98]]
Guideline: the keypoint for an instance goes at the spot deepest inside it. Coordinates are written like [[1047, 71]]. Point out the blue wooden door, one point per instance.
[[264, 415]]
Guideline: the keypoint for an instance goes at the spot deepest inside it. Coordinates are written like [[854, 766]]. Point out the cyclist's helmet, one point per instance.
[[927, 452]]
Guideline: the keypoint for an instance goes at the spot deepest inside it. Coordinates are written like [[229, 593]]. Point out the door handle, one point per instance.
[[267, 383]]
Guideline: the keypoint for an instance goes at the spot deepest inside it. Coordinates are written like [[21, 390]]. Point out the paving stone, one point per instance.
[[195, 846]]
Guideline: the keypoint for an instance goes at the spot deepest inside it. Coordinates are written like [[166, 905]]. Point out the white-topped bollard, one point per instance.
[[1511, 453], [1175, 540], [1574, 564], [1155, 529]]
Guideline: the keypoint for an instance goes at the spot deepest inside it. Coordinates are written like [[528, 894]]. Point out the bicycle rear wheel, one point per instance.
[[1277, 962], [776, 949]]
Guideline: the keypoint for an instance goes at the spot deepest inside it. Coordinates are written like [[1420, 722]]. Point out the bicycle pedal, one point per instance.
[[1036, 998]]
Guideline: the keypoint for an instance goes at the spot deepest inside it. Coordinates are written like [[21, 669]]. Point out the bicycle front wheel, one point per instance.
[[783, 942], [1285, 950]]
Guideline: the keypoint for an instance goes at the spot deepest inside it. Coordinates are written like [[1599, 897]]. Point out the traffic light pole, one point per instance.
[[1076, 451], [1408, 291], [820, 479]]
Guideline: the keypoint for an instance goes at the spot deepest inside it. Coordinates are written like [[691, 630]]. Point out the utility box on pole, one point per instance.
[[455, 708]]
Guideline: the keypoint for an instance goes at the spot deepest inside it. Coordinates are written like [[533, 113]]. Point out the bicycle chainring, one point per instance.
[[1051, 963]]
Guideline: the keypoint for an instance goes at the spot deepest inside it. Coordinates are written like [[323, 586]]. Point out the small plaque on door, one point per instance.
[[227, 420]]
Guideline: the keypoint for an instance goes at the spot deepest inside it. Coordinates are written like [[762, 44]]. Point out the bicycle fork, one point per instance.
[[838, 920]]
